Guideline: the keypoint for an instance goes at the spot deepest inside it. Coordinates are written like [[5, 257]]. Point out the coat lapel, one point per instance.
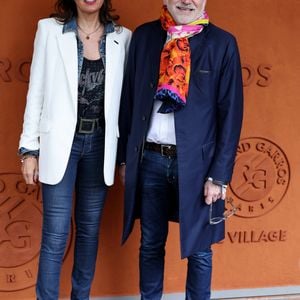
[[159, 37], [68, 49], [199, 44]]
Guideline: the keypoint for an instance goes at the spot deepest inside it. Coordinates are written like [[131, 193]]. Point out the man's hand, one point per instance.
[[213, 192], [30, 170], [122, 170]]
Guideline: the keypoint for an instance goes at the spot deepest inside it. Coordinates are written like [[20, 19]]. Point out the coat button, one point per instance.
[[144, 118], [151, 85], [136, 148]]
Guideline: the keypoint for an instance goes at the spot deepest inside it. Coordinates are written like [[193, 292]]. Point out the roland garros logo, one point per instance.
[[20, 232], [261, 177]]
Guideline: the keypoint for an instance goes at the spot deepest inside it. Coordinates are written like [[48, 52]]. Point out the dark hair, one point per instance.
[[65, 10]]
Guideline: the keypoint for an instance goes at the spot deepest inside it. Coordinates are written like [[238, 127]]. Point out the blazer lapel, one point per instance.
[[68, 49], [112, 65]]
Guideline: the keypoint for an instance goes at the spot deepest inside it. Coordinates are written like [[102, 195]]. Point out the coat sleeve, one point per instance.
[[35, 96], [229, 115], [126, 106]]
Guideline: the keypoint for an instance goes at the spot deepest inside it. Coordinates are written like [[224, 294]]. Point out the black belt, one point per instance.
[[164, 150], [88, 126]]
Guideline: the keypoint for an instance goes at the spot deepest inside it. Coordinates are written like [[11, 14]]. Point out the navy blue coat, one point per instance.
[[207, 129]]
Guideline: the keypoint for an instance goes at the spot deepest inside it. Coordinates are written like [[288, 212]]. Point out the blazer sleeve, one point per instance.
[[229, 115], [35, 96]]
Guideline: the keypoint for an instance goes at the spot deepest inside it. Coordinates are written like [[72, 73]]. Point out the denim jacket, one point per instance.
[[71, 26]]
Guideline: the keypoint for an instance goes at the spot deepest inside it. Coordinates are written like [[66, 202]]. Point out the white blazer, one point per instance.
[[51, 110]]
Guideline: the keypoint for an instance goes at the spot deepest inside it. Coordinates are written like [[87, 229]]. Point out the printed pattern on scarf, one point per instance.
[[175, 62]]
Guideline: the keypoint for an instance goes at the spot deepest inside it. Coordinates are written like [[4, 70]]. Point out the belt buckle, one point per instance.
[[163, 147], [81, 130]]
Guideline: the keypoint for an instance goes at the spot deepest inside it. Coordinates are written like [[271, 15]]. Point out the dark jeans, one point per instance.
[[85, 173], [159, 180]]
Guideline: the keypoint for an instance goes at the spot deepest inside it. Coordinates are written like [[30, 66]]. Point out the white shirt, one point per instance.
[[162, 127]]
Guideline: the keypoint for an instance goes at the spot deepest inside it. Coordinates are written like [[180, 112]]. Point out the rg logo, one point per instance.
[[261, 177]]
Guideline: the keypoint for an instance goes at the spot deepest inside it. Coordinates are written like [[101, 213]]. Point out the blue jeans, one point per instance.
[[85, 173], [159, 184]]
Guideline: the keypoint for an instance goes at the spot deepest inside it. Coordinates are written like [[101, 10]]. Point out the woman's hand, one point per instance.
[[30, 169]]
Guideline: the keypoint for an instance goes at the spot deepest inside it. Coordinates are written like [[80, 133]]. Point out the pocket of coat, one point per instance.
[[208, 150], [202, 79], [204, 72]]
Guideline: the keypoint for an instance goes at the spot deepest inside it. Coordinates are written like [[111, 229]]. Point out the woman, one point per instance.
[[70, 132]]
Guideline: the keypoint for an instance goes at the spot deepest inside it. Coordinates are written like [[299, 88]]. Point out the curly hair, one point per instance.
[[66, 10]]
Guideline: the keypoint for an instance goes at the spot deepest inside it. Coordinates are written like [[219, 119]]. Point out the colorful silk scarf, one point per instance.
[[175, 62]]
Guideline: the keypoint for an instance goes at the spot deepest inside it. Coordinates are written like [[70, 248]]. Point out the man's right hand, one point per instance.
[[212, 192], [30, 170]]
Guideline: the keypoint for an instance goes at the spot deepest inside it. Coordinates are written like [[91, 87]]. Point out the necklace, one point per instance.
[[87, 35]]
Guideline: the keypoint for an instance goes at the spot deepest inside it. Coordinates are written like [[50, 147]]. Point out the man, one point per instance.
[[180, 122]]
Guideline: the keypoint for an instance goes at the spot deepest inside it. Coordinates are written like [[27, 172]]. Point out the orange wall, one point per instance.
[[262, 243]]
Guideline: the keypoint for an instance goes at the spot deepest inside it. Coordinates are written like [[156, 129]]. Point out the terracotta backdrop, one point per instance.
[[262, 246]]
